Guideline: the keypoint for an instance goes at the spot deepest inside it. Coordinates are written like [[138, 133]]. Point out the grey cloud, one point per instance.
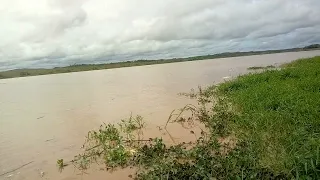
[[57, 23], [61, 32], [230, 22]]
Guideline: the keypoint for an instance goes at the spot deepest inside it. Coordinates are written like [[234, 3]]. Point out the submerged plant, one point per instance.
[[60, 164]]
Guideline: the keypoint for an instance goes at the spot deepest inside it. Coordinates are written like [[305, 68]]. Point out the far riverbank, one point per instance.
[[91, 67]]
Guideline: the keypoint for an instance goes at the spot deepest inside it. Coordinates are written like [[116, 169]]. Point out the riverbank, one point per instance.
[[258, 126], [57, 111], [91, 67]]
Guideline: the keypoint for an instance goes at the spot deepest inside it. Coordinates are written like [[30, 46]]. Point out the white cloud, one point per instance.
[[50, 33]]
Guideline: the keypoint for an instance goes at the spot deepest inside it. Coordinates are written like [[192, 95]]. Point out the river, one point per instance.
[[45, 118]]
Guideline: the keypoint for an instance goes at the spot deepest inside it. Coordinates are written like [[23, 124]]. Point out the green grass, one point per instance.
[[270, 123], [91, 67], [280, 116]]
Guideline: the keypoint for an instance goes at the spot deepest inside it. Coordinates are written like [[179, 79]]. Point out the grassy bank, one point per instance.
[[280, 117], [91, 67], [258, 126]]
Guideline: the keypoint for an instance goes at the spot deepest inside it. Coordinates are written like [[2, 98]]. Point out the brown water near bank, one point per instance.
[[44, 118]]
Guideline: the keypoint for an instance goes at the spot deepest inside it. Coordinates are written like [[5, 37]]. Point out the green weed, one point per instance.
[[261, 67]]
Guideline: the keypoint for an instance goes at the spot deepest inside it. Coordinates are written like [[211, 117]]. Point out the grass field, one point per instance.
[[258, 126], [280, 116]]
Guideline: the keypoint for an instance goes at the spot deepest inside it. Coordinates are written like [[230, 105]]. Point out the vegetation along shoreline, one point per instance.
[[257, 126]]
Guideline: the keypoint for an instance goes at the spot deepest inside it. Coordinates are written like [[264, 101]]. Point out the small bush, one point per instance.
[[260, 67], [22, 74]]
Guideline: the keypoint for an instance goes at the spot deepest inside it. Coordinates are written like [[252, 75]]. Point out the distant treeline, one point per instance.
[[313, 46], [90, 67]]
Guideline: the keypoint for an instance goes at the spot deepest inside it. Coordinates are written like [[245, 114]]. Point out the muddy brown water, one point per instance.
[[44, 118]]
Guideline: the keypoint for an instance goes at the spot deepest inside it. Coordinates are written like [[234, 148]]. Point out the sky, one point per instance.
[[50, 33]]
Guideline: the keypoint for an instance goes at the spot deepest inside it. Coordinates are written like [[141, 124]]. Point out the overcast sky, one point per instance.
[[48, 33]]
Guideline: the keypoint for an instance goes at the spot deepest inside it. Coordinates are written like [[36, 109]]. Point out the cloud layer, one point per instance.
[[50, 33]]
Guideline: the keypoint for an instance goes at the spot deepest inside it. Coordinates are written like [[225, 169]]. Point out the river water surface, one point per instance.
[[45, 118]]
